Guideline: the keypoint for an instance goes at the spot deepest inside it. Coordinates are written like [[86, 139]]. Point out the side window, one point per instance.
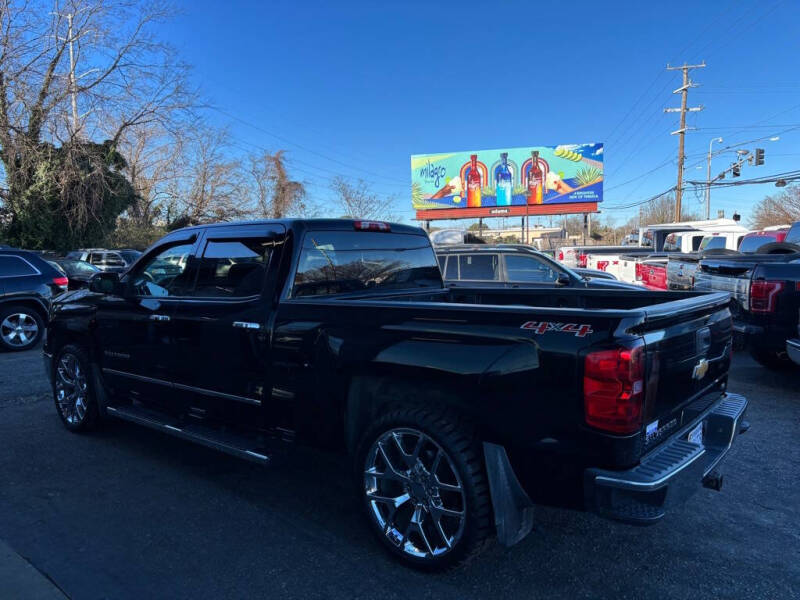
[[479, 267], [94, 258], [14, 266], [233, 268], [442, 260], [696, 242], [165, 273], [452, 268], [528, 268]]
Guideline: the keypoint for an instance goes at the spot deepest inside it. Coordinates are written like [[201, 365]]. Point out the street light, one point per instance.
[[708, 177]]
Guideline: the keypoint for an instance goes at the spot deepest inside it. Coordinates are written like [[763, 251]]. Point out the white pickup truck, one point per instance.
[[681, 268]]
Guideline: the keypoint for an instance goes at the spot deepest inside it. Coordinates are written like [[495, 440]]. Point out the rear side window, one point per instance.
[[15, 266], [528, 268], [233, 268], [751, 244], [334, 262], [793, 235], [452, 268], [698, 239], [479, 267], [442, 260]]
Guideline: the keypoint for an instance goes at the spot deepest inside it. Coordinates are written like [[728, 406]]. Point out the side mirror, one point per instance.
[[105, 282], [563, 279]]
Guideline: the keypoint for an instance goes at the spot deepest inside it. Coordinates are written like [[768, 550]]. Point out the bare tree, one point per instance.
[[782, 208], [275, 194], [210, 187], [79, 70], [662, 210], [358, 201]]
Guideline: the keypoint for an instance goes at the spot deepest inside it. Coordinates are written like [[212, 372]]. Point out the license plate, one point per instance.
[[696, 435]]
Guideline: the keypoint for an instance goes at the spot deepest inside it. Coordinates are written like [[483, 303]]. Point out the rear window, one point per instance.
[[335, 262], [671, 244], [712, 242], [793, 235], [14, 266], [751, 244]]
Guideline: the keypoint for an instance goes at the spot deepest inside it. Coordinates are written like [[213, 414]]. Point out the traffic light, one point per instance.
[[736, 170], [759, 156]]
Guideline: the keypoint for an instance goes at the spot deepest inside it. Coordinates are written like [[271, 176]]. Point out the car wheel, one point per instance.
[[20, 327], [421, 480], [771, 359], [73, 389]]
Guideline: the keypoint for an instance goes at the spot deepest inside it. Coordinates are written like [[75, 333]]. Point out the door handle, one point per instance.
[[246, 325], [159, 317]]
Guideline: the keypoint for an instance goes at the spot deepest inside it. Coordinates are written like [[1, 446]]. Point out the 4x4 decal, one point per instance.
[[539, 327]]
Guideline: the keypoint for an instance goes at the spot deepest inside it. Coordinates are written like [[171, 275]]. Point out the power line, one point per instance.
[[311, 151]]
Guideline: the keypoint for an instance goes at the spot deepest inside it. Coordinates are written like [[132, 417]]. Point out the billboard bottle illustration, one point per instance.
[[535, 180], [474, 184], [504, 182]]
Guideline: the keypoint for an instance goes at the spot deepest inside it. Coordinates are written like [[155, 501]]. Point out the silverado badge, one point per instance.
[[700, 369]]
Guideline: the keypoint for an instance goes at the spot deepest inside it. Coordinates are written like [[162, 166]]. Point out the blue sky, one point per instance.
[[354, 88]]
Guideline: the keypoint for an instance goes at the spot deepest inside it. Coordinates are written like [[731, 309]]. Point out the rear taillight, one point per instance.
[[371, 226], [762, 295], [560, 255], [602, 264], [61, 282], [613, 389], [582, 261], [639, 275]]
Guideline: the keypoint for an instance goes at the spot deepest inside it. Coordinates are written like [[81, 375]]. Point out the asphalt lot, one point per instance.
[[129, 513]]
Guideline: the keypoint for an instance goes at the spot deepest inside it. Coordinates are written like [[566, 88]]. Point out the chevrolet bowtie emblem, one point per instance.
[[700, 369]]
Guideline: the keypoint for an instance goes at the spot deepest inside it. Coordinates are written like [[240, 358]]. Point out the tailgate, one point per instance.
[[731, 277], [681, 273], [688, 346]]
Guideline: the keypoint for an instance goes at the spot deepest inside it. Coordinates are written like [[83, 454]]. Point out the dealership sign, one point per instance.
[[513, 181]]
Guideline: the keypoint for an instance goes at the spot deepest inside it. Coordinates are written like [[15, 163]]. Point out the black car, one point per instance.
[[514, 266], [79, 272], [460, 407], [27, 283]]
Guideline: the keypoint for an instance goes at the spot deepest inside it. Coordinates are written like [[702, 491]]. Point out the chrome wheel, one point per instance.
[[71, 389], [19, 329], [414, 493]]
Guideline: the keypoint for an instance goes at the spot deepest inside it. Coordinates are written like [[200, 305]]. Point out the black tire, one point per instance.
[[14, 313], [74, 419], [771, 359], [778, 248], [457, 439]]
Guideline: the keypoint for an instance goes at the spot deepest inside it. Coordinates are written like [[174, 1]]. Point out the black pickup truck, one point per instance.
[[461, 407], [766, 300]]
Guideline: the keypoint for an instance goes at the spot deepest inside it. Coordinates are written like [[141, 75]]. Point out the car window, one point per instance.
[[165, 274], [753, 243], [15, 266], [529, 268], [793, 235], [130, 256], [711, 242], [452, 268], [334, 262], [442, 260], [671, 243], [479, 267], [112, 259], [698, 239], [233, 268]]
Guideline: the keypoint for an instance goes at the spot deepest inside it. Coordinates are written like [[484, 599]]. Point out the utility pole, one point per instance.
[[73, 87], [684, 91], [708, 177]]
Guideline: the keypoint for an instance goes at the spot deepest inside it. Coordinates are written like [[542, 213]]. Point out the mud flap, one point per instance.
[[100, 394], [513, 510]]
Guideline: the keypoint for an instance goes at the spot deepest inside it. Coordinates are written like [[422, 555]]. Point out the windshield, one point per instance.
[[333, 262], [129, 256]]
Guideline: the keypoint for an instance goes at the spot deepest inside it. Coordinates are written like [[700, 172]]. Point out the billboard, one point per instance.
[[529, 180]]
